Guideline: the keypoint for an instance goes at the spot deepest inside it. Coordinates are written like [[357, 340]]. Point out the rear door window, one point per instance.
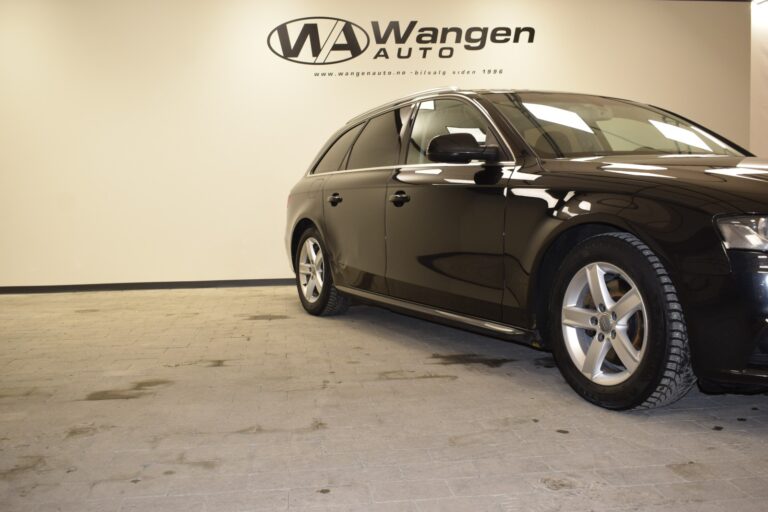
[[333, 158], [379, 143]]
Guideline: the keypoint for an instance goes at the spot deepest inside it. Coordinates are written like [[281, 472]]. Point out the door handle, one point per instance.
[[399, 198], [335, 199]]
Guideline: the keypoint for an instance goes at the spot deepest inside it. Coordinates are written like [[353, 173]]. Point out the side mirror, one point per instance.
[[460, 148]]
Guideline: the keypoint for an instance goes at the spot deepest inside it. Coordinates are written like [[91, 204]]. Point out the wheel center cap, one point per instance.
[[605, 323]]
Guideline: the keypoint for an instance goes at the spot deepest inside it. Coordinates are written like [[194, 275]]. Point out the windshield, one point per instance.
[[573, 125]]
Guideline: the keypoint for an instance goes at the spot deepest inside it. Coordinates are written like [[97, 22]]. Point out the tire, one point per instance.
[[314, 281], [641, 358]]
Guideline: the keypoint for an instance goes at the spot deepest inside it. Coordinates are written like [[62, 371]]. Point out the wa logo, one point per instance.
[[318, 40]]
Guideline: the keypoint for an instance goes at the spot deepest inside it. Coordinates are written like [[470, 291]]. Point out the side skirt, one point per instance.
[[494, 329]]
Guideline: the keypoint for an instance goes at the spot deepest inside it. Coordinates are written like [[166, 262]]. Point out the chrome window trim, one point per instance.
[[363, 118], [411, 167], [345, 171]]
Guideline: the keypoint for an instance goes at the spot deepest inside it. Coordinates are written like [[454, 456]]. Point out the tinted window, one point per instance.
[[379, 144], [332, 159], [441, 117]]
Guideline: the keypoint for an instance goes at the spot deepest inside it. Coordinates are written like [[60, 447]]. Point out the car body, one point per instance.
[[478, 245]]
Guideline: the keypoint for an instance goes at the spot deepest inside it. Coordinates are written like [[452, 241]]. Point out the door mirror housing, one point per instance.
[[460, 148]]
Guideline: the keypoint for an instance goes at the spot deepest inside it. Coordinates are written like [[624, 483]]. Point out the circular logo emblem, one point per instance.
[[318, 41]]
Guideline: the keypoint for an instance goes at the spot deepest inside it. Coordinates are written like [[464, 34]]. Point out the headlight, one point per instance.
[[745, 232]]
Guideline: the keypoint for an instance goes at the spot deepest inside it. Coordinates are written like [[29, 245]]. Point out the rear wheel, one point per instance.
[[619, 335], [314, 282]]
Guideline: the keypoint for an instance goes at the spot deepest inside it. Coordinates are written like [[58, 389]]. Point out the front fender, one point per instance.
[[683, 237]]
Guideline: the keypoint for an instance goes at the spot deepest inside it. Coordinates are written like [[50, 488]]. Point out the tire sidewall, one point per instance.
[[644, 381], [317, 307]]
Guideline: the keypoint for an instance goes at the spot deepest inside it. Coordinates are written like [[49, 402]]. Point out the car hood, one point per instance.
[[725, 184]]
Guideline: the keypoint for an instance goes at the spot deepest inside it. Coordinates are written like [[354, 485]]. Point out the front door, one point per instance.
[[445, 222]]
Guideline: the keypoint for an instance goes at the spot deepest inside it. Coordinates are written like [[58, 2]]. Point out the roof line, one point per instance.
[[404, 99]]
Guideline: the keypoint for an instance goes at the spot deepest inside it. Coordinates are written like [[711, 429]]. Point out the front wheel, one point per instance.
[[314, 282], [619, 336]]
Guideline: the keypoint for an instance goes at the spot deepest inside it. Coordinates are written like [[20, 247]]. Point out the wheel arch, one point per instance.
[[301, 226], [559, 244]]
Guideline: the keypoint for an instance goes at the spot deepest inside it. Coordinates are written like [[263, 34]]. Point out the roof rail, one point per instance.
[[405, 99]]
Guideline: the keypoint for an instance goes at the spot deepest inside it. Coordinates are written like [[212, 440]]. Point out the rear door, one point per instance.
[[355, 200], [445, 222]]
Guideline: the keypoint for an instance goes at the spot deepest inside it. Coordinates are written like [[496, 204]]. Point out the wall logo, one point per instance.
[[319, 40], [324, 40]]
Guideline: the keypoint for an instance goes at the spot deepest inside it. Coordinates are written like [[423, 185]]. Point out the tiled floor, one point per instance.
[[235, 400]]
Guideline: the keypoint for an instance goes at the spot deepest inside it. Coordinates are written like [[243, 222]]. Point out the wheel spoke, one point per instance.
[[311, 254], [305, 269], [627, 353], [597, 287], [593, 363], [578, 317], [319, 261], [627, 305], [311, 288]]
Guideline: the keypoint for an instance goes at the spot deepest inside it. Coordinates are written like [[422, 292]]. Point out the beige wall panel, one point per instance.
[[758, 132], [157, 141]]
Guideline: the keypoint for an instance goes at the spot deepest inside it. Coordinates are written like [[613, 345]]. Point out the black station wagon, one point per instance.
[[628, 240]]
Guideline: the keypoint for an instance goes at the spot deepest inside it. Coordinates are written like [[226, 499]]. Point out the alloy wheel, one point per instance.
[[604, 321], [311, 270]]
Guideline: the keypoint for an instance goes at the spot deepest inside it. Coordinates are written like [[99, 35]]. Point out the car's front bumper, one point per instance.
[[727, 319]]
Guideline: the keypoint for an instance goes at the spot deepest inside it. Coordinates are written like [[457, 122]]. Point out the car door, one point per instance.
[[445, 222], [355, 201]]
